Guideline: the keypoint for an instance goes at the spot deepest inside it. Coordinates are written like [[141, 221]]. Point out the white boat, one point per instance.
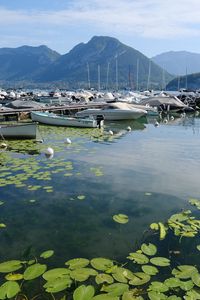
[[53, 119], [18, 130], [115, 111]]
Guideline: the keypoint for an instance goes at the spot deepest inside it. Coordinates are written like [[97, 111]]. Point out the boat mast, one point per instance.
[[163, 79], [88, 73], [107, 74], [137, 75], [99, 79], [116, 70], [149, 74]]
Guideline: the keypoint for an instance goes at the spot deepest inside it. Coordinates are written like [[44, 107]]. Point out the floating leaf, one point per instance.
[[2, 225], [81, 197], [58, 284], [140, 278], [160, 261], [172, 282], [156, 296], [47, 254], [196, 278], [115, 289], [154, 226], [101, 264], [198, 247], [138, 258], [14, 277], [186, 285], [9, 290], [163, 231], [77, 263], [159, 287], [149, 249], [83, 292], [105, 297], [56, 273], [82, 274], [10, 266], [34, 271], [150, 270], [130, 295], [101, 278], [184, 271], [121, 218]]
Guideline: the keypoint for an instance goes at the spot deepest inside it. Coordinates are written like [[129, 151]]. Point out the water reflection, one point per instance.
[[147, 173]]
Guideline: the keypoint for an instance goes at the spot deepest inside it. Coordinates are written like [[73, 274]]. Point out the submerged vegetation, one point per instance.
[[146, 274]]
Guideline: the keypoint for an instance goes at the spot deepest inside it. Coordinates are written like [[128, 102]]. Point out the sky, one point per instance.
[[149, 26]]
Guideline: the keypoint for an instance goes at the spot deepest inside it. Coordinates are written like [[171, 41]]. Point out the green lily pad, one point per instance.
[[56, 273], [121, 218], [14, 277], [138, 258], [9, 290], [101, 278], [10, 266], [150, 270], [115, 289], [140, 278], [149, 249], [172, 282], [184, 271], [159, 287], [186, 285], [57, 285], [196, 278], [77, 263], [105, 297], [160, 261], [130, 295], [82, 274], [34, 271], [101, 264], [83, 292], [47, 254], [156, 296]]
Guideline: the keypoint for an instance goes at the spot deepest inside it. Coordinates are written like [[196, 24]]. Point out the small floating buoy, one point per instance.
[[110, 132], [3, 145], [128, 128], [68, 141], [165, 121], [49, 152], [172, 118], [39, 141], [156, 124]]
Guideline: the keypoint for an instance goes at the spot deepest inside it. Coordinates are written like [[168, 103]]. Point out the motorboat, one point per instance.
[[18, 130], [114, 111], [50, 118]]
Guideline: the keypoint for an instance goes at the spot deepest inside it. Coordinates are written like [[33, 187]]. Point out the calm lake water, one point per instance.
[[66, 203]]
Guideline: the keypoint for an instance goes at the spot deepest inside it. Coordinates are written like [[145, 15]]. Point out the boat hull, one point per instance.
[[113, 115], [53, 119], [19, 130]]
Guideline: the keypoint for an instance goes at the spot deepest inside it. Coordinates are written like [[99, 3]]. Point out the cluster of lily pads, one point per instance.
[[144, 275]]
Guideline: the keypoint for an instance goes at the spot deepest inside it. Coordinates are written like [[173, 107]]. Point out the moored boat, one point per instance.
[[19, 130], [53, 119], [115, 111]]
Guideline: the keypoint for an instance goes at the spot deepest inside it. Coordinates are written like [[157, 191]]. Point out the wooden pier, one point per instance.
[[24, 113]]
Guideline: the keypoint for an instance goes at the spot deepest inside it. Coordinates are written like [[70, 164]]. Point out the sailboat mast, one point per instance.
[[88, 73], [137, 75], [107, 75], [116, 70], [99, 78], [149, 74]]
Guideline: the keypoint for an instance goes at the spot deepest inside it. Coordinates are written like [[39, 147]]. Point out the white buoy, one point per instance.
[[156, 124], [49, 152], [110, 132], [3, 145], [129, 128], [68, 141], [165, 121], [172, 118]]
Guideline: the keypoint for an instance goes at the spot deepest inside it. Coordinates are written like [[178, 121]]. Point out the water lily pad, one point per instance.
[[160, 261], [9, 290], [81, 197], [83, 292], [2, 225], [77, 263], [149, 249], [82, 274], [10, 266], [34, 271], [150, 270], [57, 285], [140, 278], [184, 271], [101, 264], [156, 296], [138, 258], [121, 218], [101, 278], [196, 278], [56, 273], [115, 289], [105, 297], [130, 295], [172, 282], [158, 286], [47, 254], [14, 277]]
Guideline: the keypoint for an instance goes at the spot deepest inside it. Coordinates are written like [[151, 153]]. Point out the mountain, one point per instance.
[[24, 63], [190, 82], [178, 62], [105, 61]]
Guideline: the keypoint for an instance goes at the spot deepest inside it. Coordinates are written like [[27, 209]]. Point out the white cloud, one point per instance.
[[161, 20]]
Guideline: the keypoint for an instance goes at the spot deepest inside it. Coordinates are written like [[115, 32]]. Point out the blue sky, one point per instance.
[[149, 26]]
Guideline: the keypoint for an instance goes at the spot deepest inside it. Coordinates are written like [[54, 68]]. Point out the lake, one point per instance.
[[66, 203]]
